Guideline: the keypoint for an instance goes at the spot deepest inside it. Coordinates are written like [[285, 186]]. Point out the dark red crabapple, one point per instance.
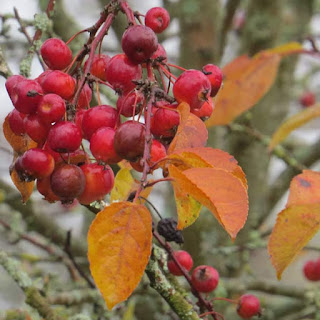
[[64, 136], [35, 128], [101, 145], [37, 163], [11, 84], [97, 117], [157, 19], [192, 87], [307, 99], [185, 260], [29, 94], [59, 83], [15, 119], [164, 122], [311, 270], [99, 182], [129, 105], [139, 42], [215, 77], [56, 54], [99, 66], [51, 108], [248, 306], [129, 140], [121, 72], [205, 278], [67, 182]]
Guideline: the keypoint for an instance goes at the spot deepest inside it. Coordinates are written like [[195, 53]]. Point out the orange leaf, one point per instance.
[[208, 157], [234, 69], [244, 88], [294, 122], [25, 188], [20, 144], [119, 247], [191, 132], [284, 50], [294, 228], [304, 189], [220, 191]]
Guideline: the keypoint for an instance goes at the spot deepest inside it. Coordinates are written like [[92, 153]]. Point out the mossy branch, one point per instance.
[[4, 68]]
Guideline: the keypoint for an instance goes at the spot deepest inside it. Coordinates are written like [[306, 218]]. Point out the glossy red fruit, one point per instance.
[[139, 42], [164, 122], [307, 99], [29, 94], [205, 111], [11, 84], [215, 77], [98, 117], [44, 187], [84, 97], [67, 182], [157, 19], [129, 140], [42, 76], [205, 278], [248, 306], [15, 119], [51, 108], [56, 54], [192, 87], [311, 270], [99, 66], [64, 136], [185, 260], [99, 182], [101, 145], [129, 105], [158, 152], [35, 128], [37, 163], [59, 83], [121, 73]]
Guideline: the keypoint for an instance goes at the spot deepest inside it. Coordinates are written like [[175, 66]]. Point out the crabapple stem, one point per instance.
[[127, 11], [177, 67], [150, 184]]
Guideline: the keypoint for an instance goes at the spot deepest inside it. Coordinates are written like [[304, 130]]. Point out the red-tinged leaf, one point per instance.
[[218, 190], [25, 188], [188, 209], [294, 228], [19, 144], [284, 50], [294, 122], [304, 189], [191, 132], [243, 89], [119, 247], [208, 157]]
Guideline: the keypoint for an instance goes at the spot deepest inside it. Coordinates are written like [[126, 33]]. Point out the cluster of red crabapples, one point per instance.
[[54, 111], [206, 278]]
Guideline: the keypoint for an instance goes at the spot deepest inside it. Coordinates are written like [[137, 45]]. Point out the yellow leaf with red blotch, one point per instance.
[[119, 247], [243, 89], [294, 122], [191, 132], [19, 144], [218, 190], [284, 50], [25, 188], [294, 228], [304, 189], [208, 157]]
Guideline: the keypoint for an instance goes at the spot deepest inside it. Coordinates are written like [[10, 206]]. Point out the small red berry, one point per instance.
[[215, 77], [157, 19], [51, 108], [129, 105], [99, 66], [85, 97], [44, 187], [205, 278], [35, 128], [307, 99], [311, 270], [15, 119], [185, 260], [205, 111], [248, 306], [56, 54], [11, 85], [160, 55]]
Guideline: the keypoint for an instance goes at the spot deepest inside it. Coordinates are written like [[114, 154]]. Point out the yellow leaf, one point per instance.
[[294, 122], [119, 247], [123, 183], [191, 132], [294, 228], [284, 50], [218, 190]]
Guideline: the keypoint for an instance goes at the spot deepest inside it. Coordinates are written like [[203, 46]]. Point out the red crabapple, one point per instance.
[[205, 278], [99, 66], [51, 108], [185, 260], [248, 306], [157, 19], [307, 99], [311, 270], [15, 119], [35, 128], [215, 77], [129, 105]]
